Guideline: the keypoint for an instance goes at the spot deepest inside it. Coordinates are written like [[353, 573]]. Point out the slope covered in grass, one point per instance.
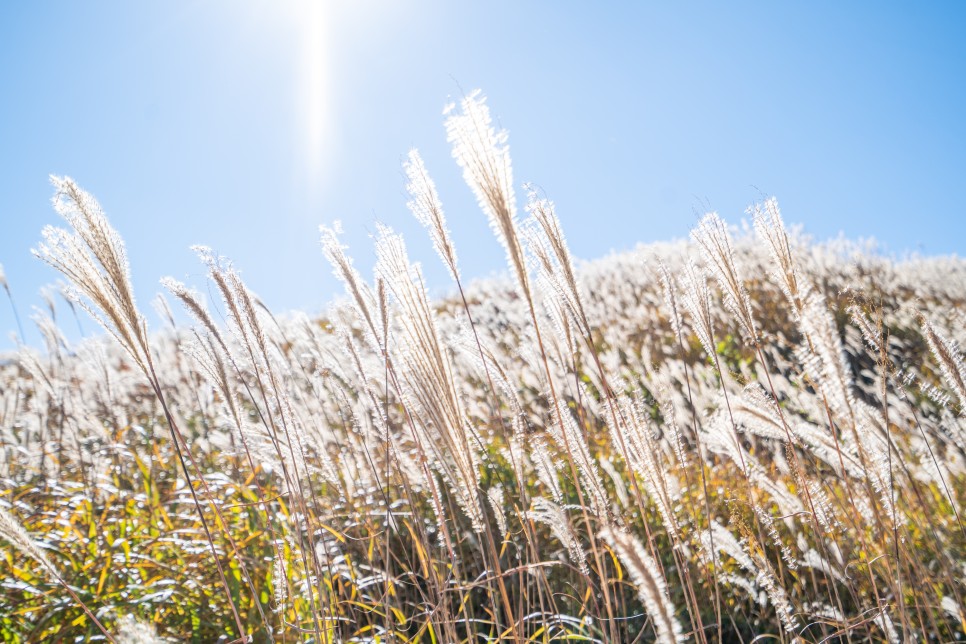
[[710, 440]]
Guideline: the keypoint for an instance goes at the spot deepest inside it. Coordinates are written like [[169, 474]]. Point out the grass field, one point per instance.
[[741, 437]]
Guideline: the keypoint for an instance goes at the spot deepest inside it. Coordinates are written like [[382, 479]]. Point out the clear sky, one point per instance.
[[243, 125]]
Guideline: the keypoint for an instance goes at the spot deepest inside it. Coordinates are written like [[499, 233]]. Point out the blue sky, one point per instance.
[[245, 125]]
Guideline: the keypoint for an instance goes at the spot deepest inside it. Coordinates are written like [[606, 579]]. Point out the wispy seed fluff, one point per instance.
[[651, 585], [712, 238], [564, 430], [363, 299], [546, 242], [496, 499], [425, 205], [93, 259], [697, 300], [549, 513], [428, 376], [14, 533], [946, 352], [483, 154], [771, 229], [750, 556], [135, 631]]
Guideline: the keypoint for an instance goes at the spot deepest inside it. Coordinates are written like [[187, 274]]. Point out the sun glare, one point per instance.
[[301, 27], [311, 91]]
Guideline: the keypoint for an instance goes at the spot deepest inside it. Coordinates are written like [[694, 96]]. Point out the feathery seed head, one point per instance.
[[93, 259], [425, 205], [712, 238], [651, 585], [13, 532], [947, 354], [482, 152], [361, 295]]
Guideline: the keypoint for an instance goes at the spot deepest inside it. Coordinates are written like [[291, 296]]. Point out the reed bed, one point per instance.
[[739, 437]]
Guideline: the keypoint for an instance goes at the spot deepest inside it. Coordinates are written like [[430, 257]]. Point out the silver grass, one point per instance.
[[813, 559], [720, 436], [331, 396], [210, 353], [564, 430], [213, 353], [15, 534], [751, 557], [756, 411], [94, 260], [161, 307], [619, 486], [279, 578], [135, 631], [670, 420], [360, 294], [771, 229], [819, 609], [645, 458], [563, 336], [950, 360], [768, 525], [774, 589], [429, 376], [949, 605], [869, 333], [483, 154], [651, 585], [697, 300], [554, 516], [825, 361], [425, 205], [546, 242], [545, 465], [495, 497], [725, 542], [712, 238], [884, 621], [241, 312], [670, 298]]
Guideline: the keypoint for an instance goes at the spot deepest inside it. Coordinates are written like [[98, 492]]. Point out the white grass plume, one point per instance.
[[361, 295], [94, 260], [950, 360], [651, 585], [15, 534], [482, 152], [496, 498], [565, 431], [135, 631], [545, 511], [712, 238], [429, 377], [697, 300], [425, 205], [771, 229], [546, 241]]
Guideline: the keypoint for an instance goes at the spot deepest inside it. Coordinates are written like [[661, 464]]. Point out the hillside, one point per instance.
[[743, 434]]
